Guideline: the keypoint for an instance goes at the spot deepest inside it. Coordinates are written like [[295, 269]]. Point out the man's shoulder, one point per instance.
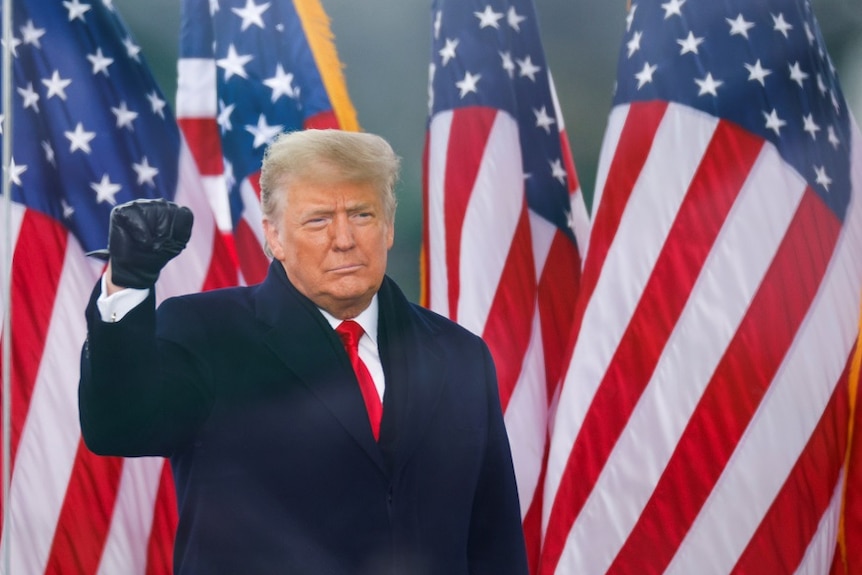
[[437, 324]]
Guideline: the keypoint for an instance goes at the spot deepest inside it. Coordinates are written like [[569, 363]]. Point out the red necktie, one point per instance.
[[350, 332]]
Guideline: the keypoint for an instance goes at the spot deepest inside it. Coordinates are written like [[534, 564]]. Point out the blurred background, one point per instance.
[[385, 45]]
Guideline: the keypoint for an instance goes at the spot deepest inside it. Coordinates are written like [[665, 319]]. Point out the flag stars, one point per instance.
[[48, 149], [223, 119], [508, 64], [644, 77], [76, 10], [630, 17], [739, 26], [780, 25], [251, 14], [100, 62], [796, 73], [558, 171], [233, 64], [106, 190], [527, 68], [672, 8], [229, 177], [468, 84], [263, 133], [513, 19], [833, 137], [68, 210], [822, 178], [708, 85], [30, 97], [810, 126], [281, 84], [809, 34], [157, 104], [80, 139], [821, 85], [447, 52], [689, 44], [56, 85], [570, 221], [14, 48], [757, 72], [132, 49], [14, 172], [146, 172], [32, 35], [438, 22], [773, 122], [489, 18], [124, 116], [543, 120], [634, 44]]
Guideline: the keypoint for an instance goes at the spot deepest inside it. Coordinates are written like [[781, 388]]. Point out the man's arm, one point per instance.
[[123, 393]]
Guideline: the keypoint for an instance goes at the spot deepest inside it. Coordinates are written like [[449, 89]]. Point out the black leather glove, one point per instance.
[[144, 235]]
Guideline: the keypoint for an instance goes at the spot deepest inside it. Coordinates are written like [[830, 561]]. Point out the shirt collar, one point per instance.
[[367, 319]]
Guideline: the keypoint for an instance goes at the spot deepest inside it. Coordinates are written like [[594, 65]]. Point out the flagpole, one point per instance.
[[6, 79]]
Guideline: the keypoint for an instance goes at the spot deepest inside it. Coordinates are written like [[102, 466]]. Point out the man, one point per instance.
[[279, 465]]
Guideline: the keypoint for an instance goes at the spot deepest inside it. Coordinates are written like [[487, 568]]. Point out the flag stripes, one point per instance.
[[636, 420], [813, 480], [85, 516], [126, 550], [728, 402], [45, 431], [160, 547]]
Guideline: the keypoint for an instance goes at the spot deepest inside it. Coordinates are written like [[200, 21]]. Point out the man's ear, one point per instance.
[[270, 234], [390, 236]]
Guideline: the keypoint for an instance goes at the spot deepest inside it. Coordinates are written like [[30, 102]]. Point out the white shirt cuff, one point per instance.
[[113, 308]]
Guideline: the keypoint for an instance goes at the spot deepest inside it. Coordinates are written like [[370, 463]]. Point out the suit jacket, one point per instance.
[[250, 393]]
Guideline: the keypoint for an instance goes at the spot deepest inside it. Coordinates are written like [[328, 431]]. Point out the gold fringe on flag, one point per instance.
[[315, 22], [853, 450]]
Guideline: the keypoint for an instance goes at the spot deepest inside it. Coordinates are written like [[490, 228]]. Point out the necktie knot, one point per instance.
[[350, 332]]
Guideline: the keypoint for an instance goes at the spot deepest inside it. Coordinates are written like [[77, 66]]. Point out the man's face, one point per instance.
[[332, 240]]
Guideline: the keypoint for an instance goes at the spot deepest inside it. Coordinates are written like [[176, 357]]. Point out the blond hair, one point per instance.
[[327, 156]]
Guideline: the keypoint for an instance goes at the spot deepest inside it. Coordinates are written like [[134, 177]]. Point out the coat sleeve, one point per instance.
[[136, 395], [496, 540]]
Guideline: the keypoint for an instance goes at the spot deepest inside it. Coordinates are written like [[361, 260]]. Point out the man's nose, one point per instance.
[[342, 232]]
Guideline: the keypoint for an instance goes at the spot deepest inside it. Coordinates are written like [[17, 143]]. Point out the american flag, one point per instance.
[[702, 424], [502, 207], [850, 527], [90, 130], [248, 71]]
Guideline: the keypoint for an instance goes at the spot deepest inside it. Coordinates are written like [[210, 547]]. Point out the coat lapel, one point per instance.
[[414, 370], [302, 339]]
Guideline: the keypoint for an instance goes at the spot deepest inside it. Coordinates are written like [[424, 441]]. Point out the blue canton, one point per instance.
[[761, 65], [90, 127]]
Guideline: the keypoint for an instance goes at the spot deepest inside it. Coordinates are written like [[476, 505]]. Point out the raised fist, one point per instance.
[[144, 235]]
